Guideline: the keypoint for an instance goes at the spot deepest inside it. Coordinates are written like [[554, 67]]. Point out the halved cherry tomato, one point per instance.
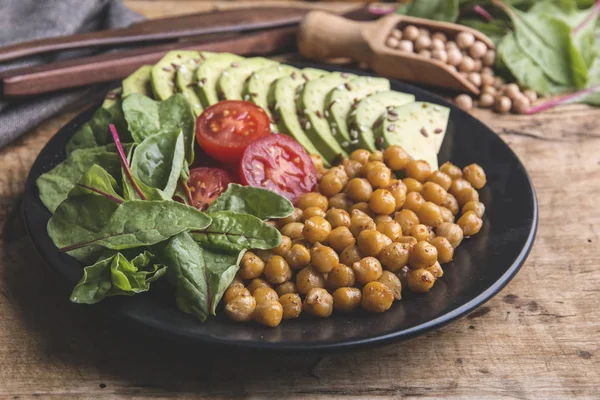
[[225, 129], [278, 163], [206, 184]]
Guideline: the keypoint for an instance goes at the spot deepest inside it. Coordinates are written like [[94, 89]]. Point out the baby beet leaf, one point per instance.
[[124, 162], [261, 203]]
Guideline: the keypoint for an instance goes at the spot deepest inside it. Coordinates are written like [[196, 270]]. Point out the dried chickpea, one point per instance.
[[257, 283], [452, 232], [281, 250], [313, 212], [296, 216], [330, 184], [430, 214], [318, 302], [382, 218], [291, 304], [371, 242], [414, 201], [316, 229], [367, 270], [340, 276], [444, 249], [309, 278], [312, 199], [235, 290], [363, 206], [241, 308], [323, 258], [346, 299], [353, 168], [340, 201], [285, 288], [423, 255], [376, 297], [412, 185], [398, 189], [418, 169], [440, 178], [360, 155], [420, 232], [382, 202], [451, 204], [434, 193], [265, 294], [350, 255], [338, 217], [420, 280], [476, 206], [406, 219], [298, 257], [340, 238], [268, 313], [395, 157], [447, 215], [359, 221], [410, 32], [277, 270], [379, 176], [436, 270], [451, 170], [391, 229], [393, 282], [394, 256], [359, 189], [475, 175], [470, 223], [293, 230]]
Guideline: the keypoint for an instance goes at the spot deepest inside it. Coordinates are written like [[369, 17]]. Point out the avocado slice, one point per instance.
[[138, 82], [311, 103], [416, 127], [163, 72], [369, 110], [341, 99], [208, 74], [259, 83], [231, 83], [185, 81], [282, 104]]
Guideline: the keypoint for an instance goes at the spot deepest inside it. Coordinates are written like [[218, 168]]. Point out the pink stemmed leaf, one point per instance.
[[483, 13], [570, 98], [124, 161], [591, 18], [101, 193], [380, 9]]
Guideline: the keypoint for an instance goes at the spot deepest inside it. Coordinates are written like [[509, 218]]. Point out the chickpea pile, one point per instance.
[[472, 59], [360, 239]]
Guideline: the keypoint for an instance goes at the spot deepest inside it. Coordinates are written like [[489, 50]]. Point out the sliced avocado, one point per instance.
[[163, 72], [341, 99], [208, 74], [185, 81], [112, 98], [282, 104], [259, 83], [231, 83], [369, 110], [138, 82], [416, 127], [311, 103]]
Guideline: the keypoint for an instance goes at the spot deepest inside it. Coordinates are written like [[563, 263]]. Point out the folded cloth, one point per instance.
[[24, 20]]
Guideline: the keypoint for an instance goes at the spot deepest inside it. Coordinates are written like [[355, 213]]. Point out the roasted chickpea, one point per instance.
[[391, 229], [444, 249], [463, 191], [298, 257], [316, 229], [359, 221], [420, 280], [277, 270], [313, 212], [393, 282], [293, 230], [395, 157], [281, 250], [309, 278], [340, 238], [476, 206], [292, 305], [312, 199], [436, 270], [382, 218], [372, 165], [323, 258], [450, 231], [420, 232], [412, 185], [475, 175], [346, 299], [451, 204], [459, 184], [359, 189], [265, 255], [340, 172], [470, 223], [382, 202], [257, 283], [379, 176], [251, 266], [413, 202], [341, 275], [423, 255], [394, 256], [268, 313], [350, 255], [447, 215], [376, 297], [296, 216], [371, 242], [318, 302], [367, 270], [451, 170], [441, 179], [403, 275], [330, 184], [406, 219], [234, 290], [265, 294], [376, 156], [363, 207], [418, 169], [241, 308], [433, 192], [353, 168], [285, 288], [360, 155], [317, 161], [340, 201], [398, 189], [338, 217], [410, 241], [430, 214]]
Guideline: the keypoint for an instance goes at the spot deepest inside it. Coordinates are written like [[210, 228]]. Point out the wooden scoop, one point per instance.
[[324, 36]]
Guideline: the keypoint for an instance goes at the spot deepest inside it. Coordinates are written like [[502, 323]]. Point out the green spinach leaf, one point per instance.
[[221, 268], [97, 181], [261, 203], [441, 10]]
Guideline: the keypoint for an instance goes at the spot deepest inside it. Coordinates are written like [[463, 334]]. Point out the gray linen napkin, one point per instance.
[[24, 20]]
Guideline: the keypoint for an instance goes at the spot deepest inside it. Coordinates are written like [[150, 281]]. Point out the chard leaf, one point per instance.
[[261, 203], [232, 231], [440, 10], [221, 268], [97, 181]]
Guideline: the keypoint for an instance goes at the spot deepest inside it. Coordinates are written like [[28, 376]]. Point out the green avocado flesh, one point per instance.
[[163, 72], [186, 82], [138, 82], [208, 74], [259, 83], [231, 83]]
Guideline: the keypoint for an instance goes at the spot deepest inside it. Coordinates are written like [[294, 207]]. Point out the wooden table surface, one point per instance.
[[538, 339]]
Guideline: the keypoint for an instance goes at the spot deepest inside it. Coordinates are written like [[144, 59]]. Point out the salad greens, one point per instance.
[[113, 209]]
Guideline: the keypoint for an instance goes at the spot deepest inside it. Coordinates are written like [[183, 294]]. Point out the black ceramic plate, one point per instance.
[[482, 265]]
